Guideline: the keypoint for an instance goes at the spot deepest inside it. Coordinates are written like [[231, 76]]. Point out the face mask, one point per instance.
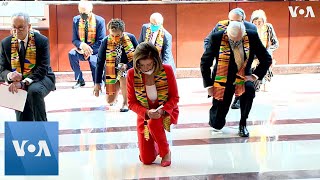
[[234, 43], [149, 72], [116, 38], [155, 28], [84, 16]]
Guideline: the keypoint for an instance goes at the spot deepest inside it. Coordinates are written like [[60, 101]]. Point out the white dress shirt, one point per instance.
[[154, 37], [25, 42]]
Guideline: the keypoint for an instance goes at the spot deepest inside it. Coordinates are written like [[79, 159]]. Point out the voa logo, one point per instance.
[[31, 148], [308, 12], [42, 148]]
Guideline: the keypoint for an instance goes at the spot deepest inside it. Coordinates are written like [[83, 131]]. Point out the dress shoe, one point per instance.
[[124, 108], [235, 104], [80, 83], [243, 131]]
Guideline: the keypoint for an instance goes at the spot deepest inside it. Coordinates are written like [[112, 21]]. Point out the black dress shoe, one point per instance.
[[243, 131], [124, 108], [235, 104], [79, 84]]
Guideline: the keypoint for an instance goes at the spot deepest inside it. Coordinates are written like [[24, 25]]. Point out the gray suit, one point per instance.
[[166, 52]]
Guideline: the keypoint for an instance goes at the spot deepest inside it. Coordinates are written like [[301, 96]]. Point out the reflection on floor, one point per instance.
[[98, 142]]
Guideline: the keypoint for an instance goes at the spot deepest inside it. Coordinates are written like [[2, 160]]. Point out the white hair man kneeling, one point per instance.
[[234, 50]]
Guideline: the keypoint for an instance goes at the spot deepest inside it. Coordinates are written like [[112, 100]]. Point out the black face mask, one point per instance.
[[84, 16]]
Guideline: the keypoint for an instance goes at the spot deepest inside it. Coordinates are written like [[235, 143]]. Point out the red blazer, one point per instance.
[[171, 106]]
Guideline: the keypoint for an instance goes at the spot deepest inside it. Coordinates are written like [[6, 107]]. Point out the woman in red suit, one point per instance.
[[153, 95]]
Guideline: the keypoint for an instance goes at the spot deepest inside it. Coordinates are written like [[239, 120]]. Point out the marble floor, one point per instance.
[[97, 142]]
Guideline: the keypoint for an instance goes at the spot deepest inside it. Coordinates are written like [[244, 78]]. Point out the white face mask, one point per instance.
[[149, 72]]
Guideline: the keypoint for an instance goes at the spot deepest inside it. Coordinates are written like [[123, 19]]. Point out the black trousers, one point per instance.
[[219, 109], [35, 108]]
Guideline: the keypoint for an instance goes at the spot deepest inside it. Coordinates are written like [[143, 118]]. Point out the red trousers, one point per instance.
[[157, 144]]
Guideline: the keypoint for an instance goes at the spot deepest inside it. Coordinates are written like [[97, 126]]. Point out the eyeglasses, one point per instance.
[[19, 28]]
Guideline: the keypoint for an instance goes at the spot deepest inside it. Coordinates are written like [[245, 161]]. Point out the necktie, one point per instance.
[[86, 27], [22, 54], [237, 56]]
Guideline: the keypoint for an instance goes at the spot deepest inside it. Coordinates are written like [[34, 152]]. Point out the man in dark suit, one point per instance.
[[88, 31], [234, 50], [155, 32], [25, 64], [236, 14]]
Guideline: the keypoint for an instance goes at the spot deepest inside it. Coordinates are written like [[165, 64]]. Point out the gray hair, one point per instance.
[[86, 5], [234, 27], [157, 17], [238, 11], [22, 14], [258, 14]]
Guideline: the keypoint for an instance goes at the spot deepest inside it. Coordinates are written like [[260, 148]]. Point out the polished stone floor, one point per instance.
[[98, 142]]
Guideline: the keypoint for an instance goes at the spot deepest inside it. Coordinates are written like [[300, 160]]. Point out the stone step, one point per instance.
[[195, 72]]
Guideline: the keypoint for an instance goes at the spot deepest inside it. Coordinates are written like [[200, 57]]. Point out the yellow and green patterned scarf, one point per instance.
[[220, 81], [91, 30], [162, 90], [264, 35], [30, 58], [222, 25], [159, 39], [111, 55]]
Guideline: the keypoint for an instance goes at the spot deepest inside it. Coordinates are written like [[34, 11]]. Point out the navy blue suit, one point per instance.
[[75, 57], [102, 56], [166, 52]]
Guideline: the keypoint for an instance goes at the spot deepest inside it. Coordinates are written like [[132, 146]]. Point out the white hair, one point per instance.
[[258, 14], [157, 17], [22, 14], [86, 5], [239, 12], [235, 27]]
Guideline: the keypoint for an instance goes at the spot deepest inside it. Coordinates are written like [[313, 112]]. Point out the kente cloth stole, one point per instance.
[[264, 35], [162, 90], [220, 80], [92, 24], [222, 25], [30, 58], [111, 55], [159, 39]]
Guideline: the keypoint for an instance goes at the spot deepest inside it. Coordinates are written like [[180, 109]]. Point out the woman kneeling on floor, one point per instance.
[[153, 95]]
